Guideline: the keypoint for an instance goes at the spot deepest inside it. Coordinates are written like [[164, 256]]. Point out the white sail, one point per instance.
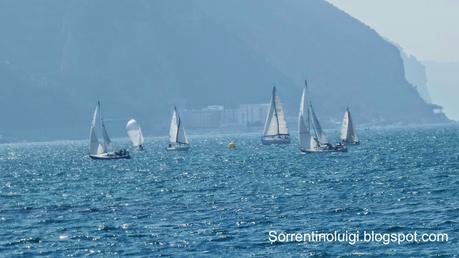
[[177, 131], [304, 135], [283, 129], [348, 133], [134, 132], [94, 146], [345, 127], [275, 121], [319, 132], [173, 128], [181, 136], [270, 124], [107, 141]]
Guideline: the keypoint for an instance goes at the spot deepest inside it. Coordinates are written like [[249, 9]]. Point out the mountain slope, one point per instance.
[[348, 63], [141, 57]]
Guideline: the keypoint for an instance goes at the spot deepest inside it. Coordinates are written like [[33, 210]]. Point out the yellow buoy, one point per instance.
[[232, 145]]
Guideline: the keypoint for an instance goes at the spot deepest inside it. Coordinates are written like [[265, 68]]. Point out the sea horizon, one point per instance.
[[256, 131]]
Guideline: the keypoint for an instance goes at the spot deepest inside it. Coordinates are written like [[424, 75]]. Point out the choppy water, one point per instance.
[[212, 201]]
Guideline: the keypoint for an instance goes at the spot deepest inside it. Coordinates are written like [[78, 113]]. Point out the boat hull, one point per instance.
[[269, 140], [109, 156], [178, 148], [319, 150]]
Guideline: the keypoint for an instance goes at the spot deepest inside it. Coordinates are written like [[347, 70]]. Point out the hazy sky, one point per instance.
[[427, 29]]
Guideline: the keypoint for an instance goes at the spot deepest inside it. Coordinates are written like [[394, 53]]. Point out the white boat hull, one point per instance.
[[268, 140], [180, 147], [111, 155], [322, 149]]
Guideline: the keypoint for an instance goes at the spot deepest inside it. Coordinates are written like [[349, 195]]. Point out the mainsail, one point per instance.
[[275, 121], [135, 133], [94, 146], [177, 131], [304, 124], [348, 133]]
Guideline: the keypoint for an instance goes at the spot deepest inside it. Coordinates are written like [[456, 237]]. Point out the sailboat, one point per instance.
[[177, 135], [348, 134], [275, 130], [311, 136], [135, 134], [98, 150]]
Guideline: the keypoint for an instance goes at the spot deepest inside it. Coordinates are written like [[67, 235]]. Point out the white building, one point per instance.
[[253, 114], [216, 116]]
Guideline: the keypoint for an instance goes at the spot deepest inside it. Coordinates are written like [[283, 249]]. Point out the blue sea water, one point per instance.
[[212, 201]]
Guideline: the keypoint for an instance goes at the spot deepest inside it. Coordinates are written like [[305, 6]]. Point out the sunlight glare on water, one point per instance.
[[214, 201]]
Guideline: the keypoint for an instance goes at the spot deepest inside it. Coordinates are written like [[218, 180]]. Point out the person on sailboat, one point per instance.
[[317, 141], [328, 146]]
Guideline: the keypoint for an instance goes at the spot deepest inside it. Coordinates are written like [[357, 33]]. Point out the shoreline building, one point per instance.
[[217, 116]]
